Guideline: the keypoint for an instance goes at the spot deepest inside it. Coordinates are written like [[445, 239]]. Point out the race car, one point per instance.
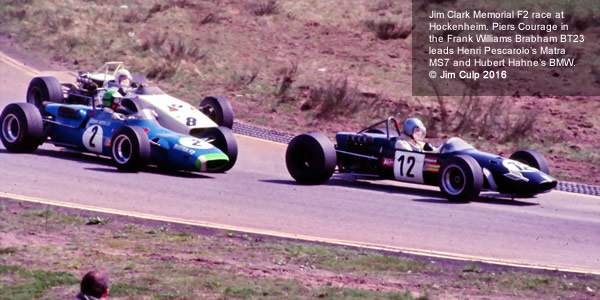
[[173, 113], [131, 139], [460, 170]]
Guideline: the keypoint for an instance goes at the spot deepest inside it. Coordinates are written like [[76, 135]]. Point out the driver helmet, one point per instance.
[[111, 99], [123, 77], [414, 128]]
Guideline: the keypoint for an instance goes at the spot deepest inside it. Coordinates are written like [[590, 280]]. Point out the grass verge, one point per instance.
[[46, 250]]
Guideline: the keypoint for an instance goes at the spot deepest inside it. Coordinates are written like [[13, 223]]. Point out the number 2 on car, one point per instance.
[[408, 166], [92, 138]]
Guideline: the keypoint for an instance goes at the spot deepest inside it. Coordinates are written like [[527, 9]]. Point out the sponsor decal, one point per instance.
[[429, 159], [388, 162], [184, 149], [431, 167]]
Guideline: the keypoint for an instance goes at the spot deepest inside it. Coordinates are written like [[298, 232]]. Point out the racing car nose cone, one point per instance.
[[211, 162]]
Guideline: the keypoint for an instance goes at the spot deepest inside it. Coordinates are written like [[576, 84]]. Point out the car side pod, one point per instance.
[[22, 128], [461, 179], [130, 148], [311, 158]]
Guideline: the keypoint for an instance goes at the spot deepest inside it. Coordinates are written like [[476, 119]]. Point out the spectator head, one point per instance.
[[95, 283]]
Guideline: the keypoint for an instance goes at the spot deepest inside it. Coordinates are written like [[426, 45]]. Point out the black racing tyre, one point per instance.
[[21, 126], [533, 159], [44, 89], [130, 149], [218, 109], [461, 179], [310, 158], [223, 138]]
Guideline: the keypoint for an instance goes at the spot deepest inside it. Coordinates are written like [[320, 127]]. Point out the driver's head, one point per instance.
[[112, 99], [123, 77], [414, 128]]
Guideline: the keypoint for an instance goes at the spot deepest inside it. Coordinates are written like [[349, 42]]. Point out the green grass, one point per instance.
[[38, 283], [97, 221], [146, 262], [329, 292], [8, 250], [376, 262]]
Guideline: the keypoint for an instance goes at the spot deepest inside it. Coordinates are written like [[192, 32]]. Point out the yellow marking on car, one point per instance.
[[420, 252]]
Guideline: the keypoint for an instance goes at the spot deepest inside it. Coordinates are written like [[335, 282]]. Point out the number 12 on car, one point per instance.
[[408, 166]]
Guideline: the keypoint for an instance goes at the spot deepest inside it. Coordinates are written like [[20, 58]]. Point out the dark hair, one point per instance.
[[94, 283]]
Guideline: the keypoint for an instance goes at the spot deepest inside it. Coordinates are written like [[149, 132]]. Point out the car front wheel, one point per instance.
[[311, 158], [130, 149], [461, 179]]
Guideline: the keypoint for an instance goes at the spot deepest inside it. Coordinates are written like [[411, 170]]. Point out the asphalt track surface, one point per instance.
[[557, 230]]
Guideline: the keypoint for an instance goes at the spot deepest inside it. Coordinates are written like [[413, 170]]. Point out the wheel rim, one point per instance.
[[11, 128], [210, 111], [123, 149], [303, 159], [453, 180]]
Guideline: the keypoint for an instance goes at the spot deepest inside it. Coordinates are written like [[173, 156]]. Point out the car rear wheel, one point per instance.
[[461, 179], [311, 158], [218, 109], [223, 138], [22, 127], [533, 159], [42, 89], [130, 148]]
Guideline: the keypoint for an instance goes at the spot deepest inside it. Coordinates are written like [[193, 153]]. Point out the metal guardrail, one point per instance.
[[285, 138]]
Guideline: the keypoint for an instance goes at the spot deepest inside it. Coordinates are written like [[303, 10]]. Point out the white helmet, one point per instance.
[[411, 124], [122, 74]]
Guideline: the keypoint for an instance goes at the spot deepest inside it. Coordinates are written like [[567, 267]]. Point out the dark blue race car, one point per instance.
[[133, 140], [460, 170]]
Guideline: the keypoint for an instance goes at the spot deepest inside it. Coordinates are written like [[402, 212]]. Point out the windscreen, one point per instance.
[[144, 114], [455, 144], [149, 90]]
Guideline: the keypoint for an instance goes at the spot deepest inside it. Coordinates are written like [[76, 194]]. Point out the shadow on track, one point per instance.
[[65, 154], [435, 197], [155, 170], [366, 186], [105, 162]]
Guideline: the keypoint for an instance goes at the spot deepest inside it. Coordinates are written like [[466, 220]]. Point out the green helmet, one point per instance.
[[109, 97]]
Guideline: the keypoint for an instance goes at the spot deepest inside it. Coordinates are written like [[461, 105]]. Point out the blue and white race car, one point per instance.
[[173, 113], [132, 139]]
